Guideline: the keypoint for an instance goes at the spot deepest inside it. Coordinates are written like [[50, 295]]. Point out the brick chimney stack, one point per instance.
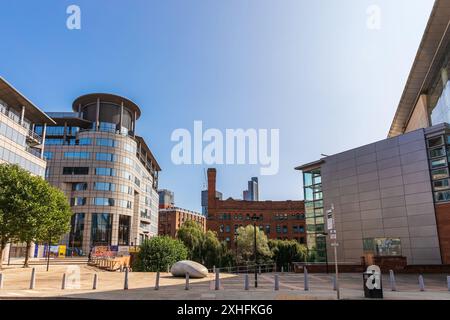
[[211, 187]]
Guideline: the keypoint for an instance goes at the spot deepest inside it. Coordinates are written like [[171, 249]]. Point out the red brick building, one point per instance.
[[171, 219], [278, 219]]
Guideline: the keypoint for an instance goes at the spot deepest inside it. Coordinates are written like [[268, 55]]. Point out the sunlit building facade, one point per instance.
[[107, 172], [391, 198], [19, 144]]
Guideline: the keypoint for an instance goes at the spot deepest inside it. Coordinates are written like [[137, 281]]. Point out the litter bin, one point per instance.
[[373, 287]]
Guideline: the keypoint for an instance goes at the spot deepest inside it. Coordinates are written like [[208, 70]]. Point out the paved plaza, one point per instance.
[[16, 283]]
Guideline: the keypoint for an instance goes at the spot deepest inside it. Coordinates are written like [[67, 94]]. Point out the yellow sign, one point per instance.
[[134, 249], [62, 252]]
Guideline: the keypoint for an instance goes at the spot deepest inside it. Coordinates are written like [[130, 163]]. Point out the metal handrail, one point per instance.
[[34, 136], [261, 268], [30, 133]]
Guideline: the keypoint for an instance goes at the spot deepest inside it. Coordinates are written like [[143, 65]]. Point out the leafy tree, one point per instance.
[[12, 180], [32, 208], [204, 247], [211, 249], [193, 237], [226, 258], [287, 251], [245, 245], [157, 253]]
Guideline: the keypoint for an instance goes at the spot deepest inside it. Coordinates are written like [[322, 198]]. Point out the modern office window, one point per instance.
[[77, 155], [318, 204], [101, 229], [126, 189], [83, 142], [127, 175], [124, 204], [103, 202], [130, 148], [79, 186], [48, 155], [101, 156], [54, 142], [105, 142], [50, 131], [437, 163], [438, 152], [104, 186], [440, 174], [439, 185], [107, 127], [76, 233], [105, 172], [127, 161], [442, 196], [75, 170], [124, 230], [383, 246], [137, 181], [78, 201], [434, 142]]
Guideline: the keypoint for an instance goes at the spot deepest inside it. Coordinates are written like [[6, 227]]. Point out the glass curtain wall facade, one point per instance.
[[314, 212], [76, 233], [439, 158], [101, 229]]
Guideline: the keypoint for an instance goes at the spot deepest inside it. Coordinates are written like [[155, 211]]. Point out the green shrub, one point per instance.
[[156, 253]]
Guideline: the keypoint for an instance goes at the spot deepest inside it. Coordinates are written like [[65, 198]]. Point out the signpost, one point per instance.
[[331, 226]]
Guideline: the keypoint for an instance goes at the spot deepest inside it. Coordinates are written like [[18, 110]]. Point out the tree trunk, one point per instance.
[[27, 254], [2, 247]]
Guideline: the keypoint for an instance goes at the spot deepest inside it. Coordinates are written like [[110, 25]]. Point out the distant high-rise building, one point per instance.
[[205, 201], [251, 194], [166, 199]]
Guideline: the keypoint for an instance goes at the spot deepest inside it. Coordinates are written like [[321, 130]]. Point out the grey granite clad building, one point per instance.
[[391, 198]]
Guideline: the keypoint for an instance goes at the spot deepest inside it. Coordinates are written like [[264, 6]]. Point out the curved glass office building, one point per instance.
[[107, 172]]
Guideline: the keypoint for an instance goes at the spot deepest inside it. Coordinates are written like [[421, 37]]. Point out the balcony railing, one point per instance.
[[145, 216], [34, 152], [16, 118], [34, 136]]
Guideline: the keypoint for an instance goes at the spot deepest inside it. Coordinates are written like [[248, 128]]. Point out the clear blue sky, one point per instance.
[[310, 68]]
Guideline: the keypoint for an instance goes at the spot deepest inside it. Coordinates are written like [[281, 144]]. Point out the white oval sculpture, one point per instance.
[[195, 269]]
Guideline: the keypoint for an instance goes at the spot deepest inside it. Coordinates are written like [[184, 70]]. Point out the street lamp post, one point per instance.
[[331, 226], [135, 244], [256, 253], [255, 250]]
